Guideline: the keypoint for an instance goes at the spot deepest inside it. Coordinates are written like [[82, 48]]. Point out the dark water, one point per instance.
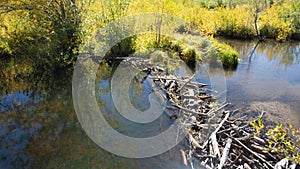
[[39, 127]]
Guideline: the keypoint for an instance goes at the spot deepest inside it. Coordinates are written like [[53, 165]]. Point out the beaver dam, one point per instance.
[[218, 138]]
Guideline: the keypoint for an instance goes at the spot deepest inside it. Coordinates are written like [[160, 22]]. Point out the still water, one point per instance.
[[39, 127], [268, 81]]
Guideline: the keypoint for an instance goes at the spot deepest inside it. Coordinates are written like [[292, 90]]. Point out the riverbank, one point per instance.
[[57, 36]]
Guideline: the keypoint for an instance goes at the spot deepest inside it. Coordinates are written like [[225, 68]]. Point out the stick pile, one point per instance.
[[217, 138]]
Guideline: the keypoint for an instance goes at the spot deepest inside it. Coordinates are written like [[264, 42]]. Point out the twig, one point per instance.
[[259, 140], [188, 80], [194, 142], [188, 110], [255, 154], [217, 129], [217, 109]]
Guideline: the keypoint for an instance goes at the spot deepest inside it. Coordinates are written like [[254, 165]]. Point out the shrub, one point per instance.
[[274, 25], [280, 141]]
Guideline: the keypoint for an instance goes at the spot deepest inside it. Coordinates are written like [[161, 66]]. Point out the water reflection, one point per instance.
[[280, 54], [38, 125], [39, 128], [270, 76]]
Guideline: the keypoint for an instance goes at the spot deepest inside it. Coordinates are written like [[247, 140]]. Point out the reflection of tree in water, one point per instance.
[[44, 130], [32, 105], [38, 124], [283, 54]]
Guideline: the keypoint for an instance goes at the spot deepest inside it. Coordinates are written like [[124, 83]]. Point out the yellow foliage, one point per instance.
[[235, 22], [257, 125], [274, 25], [280, 141]]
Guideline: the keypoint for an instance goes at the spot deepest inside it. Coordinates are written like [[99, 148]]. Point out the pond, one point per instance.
[[39, 127]]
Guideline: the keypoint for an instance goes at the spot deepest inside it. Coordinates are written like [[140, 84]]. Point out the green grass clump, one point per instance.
[[222, 54], [192, 48]]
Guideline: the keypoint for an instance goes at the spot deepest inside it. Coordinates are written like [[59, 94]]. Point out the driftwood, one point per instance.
[[185, 83], [215, 145], [217, 138], [225, 153], [183, 155]]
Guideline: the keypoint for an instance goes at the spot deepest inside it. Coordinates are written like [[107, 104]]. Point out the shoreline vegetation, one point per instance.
[[54, 31]]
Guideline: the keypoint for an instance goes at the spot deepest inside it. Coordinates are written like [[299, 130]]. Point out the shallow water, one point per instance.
[[270, 77]]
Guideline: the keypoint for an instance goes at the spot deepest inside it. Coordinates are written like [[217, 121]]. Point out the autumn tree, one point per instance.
[[47, 30]]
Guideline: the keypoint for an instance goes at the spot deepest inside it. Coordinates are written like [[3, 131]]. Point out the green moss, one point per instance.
[[222, 54]]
